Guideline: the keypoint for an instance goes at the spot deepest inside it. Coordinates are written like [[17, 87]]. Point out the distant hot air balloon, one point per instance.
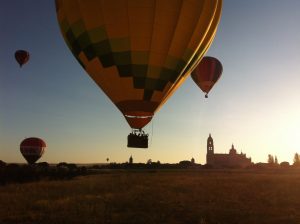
[[207, 73], [22, 57], [32, 149], [138, 52]]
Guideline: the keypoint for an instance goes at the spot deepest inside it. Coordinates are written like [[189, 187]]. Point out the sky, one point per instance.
[[255, 105]]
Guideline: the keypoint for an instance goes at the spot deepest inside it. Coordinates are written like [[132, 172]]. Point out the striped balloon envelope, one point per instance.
[[32, 149], [207, 73], [138, 51]]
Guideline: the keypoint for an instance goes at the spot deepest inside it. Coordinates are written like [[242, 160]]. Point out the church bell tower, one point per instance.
[[210, 145], [210, 151]]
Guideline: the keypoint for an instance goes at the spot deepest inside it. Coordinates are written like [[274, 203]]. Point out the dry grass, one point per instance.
[[179, 196]]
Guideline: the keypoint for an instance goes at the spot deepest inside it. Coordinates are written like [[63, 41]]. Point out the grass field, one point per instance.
[[157, 196]]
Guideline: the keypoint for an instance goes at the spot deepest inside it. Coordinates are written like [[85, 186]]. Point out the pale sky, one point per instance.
[[255, 104]]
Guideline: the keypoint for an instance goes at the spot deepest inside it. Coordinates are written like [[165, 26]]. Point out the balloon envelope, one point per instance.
[[22, 57], [32, 149], [138, 52], [207, 73]]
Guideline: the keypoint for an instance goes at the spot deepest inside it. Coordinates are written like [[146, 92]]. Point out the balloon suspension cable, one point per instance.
[[152, 123], [138, 131]]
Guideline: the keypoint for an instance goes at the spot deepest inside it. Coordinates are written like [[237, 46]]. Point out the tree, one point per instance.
[[284, 164], [62, 164], [44, 165], [296, 159], [149, 161], [185, 163], [130, 160], [270, 159], [276, 160], [193, 161]]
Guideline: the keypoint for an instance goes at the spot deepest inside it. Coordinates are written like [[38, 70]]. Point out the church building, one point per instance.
[[233, 159]]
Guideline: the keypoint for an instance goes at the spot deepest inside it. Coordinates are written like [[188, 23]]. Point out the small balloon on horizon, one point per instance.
[[32, 149]]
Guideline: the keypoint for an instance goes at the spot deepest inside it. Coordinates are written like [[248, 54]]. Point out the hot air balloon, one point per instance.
[[22, 57], [138, 52], [207, 73], [32, 149]]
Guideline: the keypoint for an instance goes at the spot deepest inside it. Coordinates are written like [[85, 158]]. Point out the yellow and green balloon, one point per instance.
[[138, 51]]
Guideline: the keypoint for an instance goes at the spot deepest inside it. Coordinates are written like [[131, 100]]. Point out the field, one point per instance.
[[157, 196]]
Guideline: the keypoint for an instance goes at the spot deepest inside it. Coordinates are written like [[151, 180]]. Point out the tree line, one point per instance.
[[272, 160], [15, 173]]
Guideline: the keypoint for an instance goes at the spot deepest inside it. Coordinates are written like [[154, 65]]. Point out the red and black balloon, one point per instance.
[[22, 57], [32, 149], [207, 73]]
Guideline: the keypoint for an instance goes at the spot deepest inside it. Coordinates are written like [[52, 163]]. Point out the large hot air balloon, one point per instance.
[[22, 57], [207, 73], [32, 149], [138, 51]]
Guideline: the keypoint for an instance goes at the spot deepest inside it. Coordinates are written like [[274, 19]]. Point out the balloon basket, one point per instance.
[[137, 139]]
